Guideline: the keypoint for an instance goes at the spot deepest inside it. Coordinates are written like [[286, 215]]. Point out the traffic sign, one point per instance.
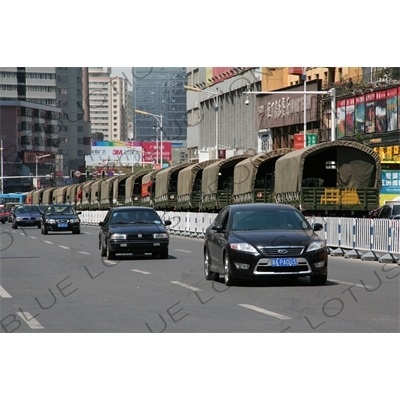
[[77, 174]]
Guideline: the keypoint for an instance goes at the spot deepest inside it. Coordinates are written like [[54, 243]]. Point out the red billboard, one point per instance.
[[152, 152]]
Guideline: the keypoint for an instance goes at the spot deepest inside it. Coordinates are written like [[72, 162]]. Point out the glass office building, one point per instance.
[[159, 91]]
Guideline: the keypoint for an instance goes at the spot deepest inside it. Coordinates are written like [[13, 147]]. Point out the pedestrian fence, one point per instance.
[[363, 238]]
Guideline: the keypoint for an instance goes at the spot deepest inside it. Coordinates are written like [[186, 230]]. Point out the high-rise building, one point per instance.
[[53, 97], [159, 91], [108, 105]]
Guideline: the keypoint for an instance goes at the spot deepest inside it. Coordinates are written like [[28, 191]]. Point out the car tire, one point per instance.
[[103, 250], [14, 226], [76, 231], [164, 254], [228, 280], [210, 276], [110, 254], [318, 280]]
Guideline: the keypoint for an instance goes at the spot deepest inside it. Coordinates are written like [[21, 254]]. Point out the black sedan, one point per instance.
[[133, 230], [264, 241], [26, 216], [61, 218]]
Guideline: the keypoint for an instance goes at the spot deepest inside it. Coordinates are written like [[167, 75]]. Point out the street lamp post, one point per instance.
[[37, 161], [216, 108], [2, 162], [159, 119]]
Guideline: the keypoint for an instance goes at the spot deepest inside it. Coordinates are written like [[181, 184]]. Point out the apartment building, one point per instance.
[[108, 98], [43, 112]]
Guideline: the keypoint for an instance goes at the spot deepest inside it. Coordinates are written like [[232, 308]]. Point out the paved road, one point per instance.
[[59, 283]]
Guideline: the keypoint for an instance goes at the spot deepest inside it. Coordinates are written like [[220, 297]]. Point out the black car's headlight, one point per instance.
[[118, 236], [160, 236], [248, 248], [38, 218], [74, 220], [51, 221], [316, 245]]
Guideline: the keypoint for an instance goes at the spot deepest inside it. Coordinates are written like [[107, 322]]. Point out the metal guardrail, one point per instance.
[[363, 238]]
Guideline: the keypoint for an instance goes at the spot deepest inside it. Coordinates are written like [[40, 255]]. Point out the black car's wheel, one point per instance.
[[103, 250], [14, 226], [210, 276], [318, 280], [76, 231], [110, 254], [39, 226], [164, 253], [229, 281]]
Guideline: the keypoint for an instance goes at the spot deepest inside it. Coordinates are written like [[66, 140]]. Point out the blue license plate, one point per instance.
[[284, 262], [63, 225]]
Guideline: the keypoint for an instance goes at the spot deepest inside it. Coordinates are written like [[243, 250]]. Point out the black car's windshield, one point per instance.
[[268, 220], [134, 217], [62, 210], [26, 210]]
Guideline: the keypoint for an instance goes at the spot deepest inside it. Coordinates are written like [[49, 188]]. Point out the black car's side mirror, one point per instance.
[[167, 223], [79, 212], [102, 223], [317, 227], [217, 228]]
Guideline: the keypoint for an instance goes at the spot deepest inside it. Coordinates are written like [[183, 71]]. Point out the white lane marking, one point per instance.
[[141, 272], [195, 289], [64, 247], [46, 241], [183, 251], [83, 252], [110, 262], [32, 322], [351, 284], [263, 311], [33, 237], [3, 293]]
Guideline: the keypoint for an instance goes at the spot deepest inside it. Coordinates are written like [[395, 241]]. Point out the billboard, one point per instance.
[[151, 152], [104, 154]]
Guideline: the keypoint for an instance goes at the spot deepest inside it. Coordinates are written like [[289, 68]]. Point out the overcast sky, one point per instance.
[[117, 71]]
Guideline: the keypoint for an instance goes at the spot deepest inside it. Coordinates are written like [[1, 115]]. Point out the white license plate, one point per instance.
[[284, 262], [156, 244], [63, 225]]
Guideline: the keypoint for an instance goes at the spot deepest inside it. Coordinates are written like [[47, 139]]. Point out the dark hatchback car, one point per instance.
[[133, 230], [25, 216], [61, 218], [259, 241]]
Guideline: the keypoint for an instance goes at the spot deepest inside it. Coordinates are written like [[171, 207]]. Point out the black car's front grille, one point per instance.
[[299, 268], [282, 251], [264, 266], [136, 237]]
